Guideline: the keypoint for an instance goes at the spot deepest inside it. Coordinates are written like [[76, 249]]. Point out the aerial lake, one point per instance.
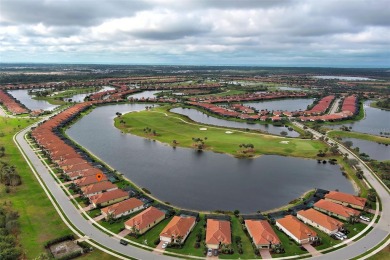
[[342, 78], [80, 97], [376, 151], [205, 180], [375, 121], [27, 100]]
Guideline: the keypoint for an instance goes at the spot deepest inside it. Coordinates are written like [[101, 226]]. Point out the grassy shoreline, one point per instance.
[[368, 137], [169, 126]]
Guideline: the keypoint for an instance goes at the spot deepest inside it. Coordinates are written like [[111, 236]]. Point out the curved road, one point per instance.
[[379, 232]]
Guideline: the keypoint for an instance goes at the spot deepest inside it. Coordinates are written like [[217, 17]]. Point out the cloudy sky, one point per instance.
[[339, 33]]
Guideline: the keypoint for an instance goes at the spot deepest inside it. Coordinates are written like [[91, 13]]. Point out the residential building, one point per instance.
[[109, 197], [262, 234], [178, 229], [346, 199], [337, 210], [218, 232], [97, 188], [295, 229], [145, 220], [122, 208], [319, 220]]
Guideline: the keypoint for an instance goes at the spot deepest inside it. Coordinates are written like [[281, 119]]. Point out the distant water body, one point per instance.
[[342, 78]]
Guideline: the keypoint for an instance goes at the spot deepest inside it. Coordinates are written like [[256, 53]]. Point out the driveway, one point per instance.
[[265, 254], [311, 250]]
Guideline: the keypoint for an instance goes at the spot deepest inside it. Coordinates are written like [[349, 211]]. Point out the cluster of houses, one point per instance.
[[348, 109], [12, 104]]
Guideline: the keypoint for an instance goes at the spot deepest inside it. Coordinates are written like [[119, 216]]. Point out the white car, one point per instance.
[[365, 218], [341, 234], [209, 252], [164, 245]]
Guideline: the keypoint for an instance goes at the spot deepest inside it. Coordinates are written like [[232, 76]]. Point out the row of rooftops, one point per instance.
[[12, 104]]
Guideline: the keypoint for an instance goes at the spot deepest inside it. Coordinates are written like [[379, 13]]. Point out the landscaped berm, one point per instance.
[[177, 130]]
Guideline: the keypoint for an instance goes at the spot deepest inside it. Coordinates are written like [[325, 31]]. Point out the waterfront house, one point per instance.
[[262, 234], [97, 188], [337, 210], [319, 220], [178, 229], [145, 220], [108, 198], [295, 229], [346, 199], [218, 232], [122, 208]]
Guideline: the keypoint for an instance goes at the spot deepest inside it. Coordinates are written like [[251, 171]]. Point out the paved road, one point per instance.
[[334, 107], [380, 231], [74, 215]]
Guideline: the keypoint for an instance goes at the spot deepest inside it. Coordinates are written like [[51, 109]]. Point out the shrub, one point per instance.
[[157, 241], [58, 240]]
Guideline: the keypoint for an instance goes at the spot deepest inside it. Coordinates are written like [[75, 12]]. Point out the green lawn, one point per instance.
[[39, 221], [169, 128], [188, 247], [248, 252], [372, 138], [290, 247], [354, 229], [152, 234], [382, 255]]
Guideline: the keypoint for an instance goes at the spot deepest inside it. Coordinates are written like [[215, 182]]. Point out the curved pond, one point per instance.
[[375, 121], [80, 97], [145, 94], [282, 104], [202, 181], [203, 118], [376, 151], [27, 100]]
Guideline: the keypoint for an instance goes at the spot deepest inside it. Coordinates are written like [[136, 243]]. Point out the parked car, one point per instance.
[[209, 252], [123, 242], [215, 252], [164, 245], [338, 236], [365, 218], [341, 234]]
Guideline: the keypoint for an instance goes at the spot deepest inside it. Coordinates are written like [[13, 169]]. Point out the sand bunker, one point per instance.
[[228, 132], [284, 142], [203, 129]]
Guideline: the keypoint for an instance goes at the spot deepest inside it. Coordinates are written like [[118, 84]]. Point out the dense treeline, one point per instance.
[[9, 230], [385, 103]]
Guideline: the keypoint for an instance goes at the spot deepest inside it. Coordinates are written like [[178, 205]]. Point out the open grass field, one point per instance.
[[372, 138], [170, 126], [39, 221]]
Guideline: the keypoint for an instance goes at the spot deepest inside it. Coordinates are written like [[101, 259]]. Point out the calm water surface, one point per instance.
[[80, 97], [202, 181], [282, 104], [145, 94], [27, 100], [200, 117], [375, 121], [374, 150], [342, 78]]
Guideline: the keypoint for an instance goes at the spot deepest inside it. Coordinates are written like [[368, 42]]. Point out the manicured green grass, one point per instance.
[[248, 252], [290, 247], [97, 254], [189, 245], [151, 235], [38, 220], [172, 127], [384, 254], [354, 229], [372, 138], [115, 227], [326, 240]]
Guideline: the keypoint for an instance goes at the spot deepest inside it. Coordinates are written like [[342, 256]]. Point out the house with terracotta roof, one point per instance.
[[97, 188], [319, 220], [145, 220], [337, 210], [122, 208], [218, 232], [108, 198], [88, 180], [262, 234], [295, 229], [346, 199], [178, 229]]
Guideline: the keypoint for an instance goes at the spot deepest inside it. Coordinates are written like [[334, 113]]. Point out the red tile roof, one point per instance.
[[108, 196], [178, 227], [296, 227], [123, 206], [98, 187], [345, 197], [262, 232], [218, 231], [145, 218], [321, 219], [336, 208]]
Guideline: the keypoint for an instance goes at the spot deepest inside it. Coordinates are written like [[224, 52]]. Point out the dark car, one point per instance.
[[123, 242]]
